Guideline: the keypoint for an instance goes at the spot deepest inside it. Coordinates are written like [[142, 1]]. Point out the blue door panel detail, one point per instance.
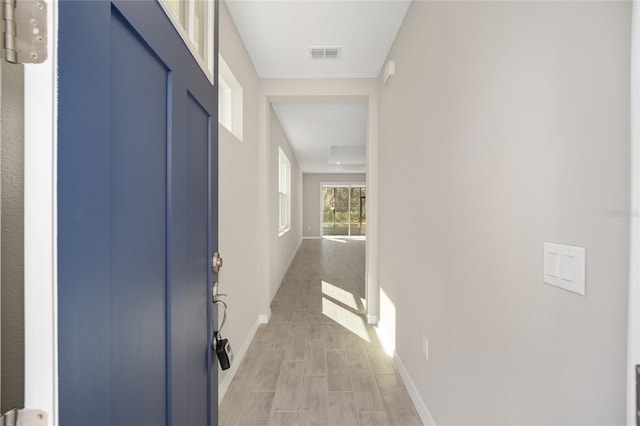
[[195, 293], [138, 224], [83, 215]]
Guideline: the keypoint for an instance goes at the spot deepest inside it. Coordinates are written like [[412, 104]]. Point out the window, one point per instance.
[[229, 100], [225, 104], [194, 21], [284, 189], [344, 209]]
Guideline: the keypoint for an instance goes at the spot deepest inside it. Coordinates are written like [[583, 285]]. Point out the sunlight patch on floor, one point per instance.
[[352, 322], [336, 239], [340, 295]]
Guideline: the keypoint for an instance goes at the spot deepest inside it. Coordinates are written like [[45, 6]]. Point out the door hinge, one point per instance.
[[24, 417], [24, 31]]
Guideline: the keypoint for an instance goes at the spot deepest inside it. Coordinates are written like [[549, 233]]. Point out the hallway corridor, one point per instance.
[[318, 362]]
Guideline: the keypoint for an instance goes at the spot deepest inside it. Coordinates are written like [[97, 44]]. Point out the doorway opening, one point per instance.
[[344, 210]]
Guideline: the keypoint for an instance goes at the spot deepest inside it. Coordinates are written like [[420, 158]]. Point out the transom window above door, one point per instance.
[[193, 19]]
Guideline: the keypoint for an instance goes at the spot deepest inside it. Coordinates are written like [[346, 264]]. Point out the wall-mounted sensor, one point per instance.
[[389, 70]]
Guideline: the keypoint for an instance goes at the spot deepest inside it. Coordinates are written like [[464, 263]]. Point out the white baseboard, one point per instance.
[[421, 407], [373, 319], [311, 238], [239, 356]]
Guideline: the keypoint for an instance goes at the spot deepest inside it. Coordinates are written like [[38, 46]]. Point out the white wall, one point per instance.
[[238, 221], [283, 247], [507, 125], [312, 197]]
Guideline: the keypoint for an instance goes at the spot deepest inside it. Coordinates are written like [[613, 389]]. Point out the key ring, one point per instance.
[[224, 316]]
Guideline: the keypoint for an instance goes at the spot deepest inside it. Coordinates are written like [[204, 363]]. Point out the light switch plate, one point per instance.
[[565, 267]]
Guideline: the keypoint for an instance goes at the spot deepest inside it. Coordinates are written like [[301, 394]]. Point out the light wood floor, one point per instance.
[[318, 362]]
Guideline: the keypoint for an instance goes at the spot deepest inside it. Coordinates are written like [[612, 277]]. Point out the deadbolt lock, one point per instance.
[[216, 262]]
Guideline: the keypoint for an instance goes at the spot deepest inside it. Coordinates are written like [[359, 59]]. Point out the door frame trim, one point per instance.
[[40, 227], [322, 90]]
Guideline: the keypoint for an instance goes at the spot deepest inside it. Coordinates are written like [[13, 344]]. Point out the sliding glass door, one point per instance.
[[358, 216], [344, 209]]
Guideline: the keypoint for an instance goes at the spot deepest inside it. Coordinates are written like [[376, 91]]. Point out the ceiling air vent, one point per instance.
[[324, 52], [332, 52], [317, 52]]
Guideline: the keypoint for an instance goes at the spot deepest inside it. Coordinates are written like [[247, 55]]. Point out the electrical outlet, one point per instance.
[[425, 347]]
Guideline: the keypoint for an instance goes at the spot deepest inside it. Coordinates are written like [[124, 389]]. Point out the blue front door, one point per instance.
[[137, 220]]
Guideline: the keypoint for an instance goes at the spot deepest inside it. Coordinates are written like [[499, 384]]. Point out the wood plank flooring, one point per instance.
[[318, 362]]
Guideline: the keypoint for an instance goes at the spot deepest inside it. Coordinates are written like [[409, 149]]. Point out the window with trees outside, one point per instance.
[[344, 211], [284, 189]]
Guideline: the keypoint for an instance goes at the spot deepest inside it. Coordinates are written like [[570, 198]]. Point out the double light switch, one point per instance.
[[564, 267]]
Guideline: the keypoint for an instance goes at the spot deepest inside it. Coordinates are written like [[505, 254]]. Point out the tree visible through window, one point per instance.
[[284, 189], [344, 210]]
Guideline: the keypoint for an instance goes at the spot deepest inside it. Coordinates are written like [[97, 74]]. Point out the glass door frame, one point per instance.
[[349, 185]]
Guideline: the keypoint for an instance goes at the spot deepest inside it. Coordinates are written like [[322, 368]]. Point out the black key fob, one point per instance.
[[224, 353]]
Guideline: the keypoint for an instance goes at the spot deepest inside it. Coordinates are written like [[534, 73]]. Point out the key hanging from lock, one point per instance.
[[221, 346], [223, 351]]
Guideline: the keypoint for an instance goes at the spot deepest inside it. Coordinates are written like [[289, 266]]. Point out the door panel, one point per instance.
[[336, 210], [137, 220], [358, 211], [195, 295], [83, 213]]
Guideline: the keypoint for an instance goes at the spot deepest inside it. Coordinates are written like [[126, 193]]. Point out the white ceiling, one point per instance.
[[277, 35], [325, 133]]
